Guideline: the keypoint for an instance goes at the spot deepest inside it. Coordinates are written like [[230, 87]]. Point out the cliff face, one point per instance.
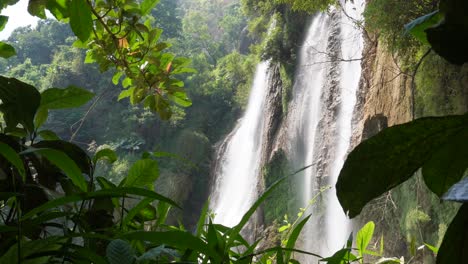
[[409, 213], [384, 96]]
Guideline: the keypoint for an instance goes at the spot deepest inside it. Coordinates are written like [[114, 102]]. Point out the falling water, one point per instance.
[[351, 50], [238, 162], [319, 121]]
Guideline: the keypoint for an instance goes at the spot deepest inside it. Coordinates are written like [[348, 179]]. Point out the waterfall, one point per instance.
[[320, 116], [238, 161], [317, 129]]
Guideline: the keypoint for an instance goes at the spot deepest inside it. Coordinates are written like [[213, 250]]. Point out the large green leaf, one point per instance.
[[66, 164], [20, 102], [81, 20], [142, 173], [450, 38], [177, 239], [10, 154], [70, 97], [6, 50], [391, 157], [77, 154], [114, 192], [454, 248], [448, 165]]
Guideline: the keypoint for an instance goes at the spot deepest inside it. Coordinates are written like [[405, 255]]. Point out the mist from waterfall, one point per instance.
[[238, 161]]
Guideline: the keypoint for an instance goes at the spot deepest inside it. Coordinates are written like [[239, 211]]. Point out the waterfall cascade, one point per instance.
[[319, 123], [317, 129], [238, 161]]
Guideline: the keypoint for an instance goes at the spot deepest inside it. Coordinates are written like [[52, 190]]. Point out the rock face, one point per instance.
[[384, 93]]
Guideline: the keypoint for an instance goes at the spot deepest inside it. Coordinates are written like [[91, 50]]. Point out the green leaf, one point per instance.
[[143, 172], [136, 210], [6, 50], [163, 108], [147, 5], [341, 256], [450, 38], [126, 93], [20, 102], [418, 27], [447, 166], [177, 239], [294, 236], [434, 250], [391, 157], [116, 77], [454, 248], [81, 20], [48, 135], [114, 192], [10, 154], [37, 8], [120, 252], [163, 212], [67, 165], [181, 99], [155, 253], [105, 154], [245, 218], [58, 8], [3, 22], [202, 220], [70, 97], [77, 154], [364, 236], [41, 116]]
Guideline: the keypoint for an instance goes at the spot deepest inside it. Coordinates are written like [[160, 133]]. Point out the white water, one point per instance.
[[337, 224], [317, 134], [239, 164]]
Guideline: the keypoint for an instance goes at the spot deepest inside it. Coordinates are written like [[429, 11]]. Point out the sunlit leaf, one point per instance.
[[70, 97], [143, 172], [364, 236], [105, 154], [81, 20], [147, 5]]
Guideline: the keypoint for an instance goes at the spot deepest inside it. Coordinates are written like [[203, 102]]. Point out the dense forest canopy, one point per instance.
[[111, 109]]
